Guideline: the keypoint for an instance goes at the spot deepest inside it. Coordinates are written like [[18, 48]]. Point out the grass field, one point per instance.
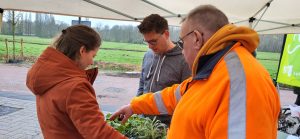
[[270, 61], [127, 60], [118, 59]]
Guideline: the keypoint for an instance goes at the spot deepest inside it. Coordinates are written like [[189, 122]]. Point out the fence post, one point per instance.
[[6, 46], [22, 54]]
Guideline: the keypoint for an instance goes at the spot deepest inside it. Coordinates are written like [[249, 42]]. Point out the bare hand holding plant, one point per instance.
[[122, 114]]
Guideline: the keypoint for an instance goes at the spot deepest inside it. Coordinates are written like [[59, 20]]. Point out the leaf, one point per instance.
[[140, 128]]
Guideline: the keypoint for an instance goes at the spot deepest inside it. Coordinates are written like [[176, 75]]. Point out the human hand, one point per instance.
[[124, 113]]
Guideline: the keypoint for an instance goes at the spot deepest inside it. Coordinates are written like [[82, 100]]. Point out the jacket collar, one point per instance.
[[207, 63]]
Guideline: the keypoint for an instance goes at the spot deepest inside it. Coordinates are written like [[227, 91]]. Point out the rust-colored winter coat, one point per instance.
[[65, 99]]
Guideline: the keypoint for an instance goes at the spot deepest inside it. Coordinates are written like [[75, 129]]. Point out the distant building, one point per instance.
[[76, 22]]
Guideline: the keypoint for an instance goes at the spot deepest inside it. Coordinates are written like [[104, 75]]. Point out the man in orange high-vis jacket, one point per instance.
[[229, 96]]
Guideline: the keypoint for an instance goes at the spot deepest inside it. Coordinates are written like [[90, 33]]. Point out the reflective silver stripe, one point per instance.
[[159, 103], [177, 94], [237, 98]]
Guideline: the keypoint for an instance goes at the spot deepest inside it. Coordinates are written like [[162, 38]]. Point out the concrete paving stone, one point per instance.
[[13, 129], [15, 104], [14, 126], [12, 101], [4, 125], [10, 135], [2, 132], [31, 130], [30, 123], [3, 137], [32, 137], [40, 136], [29, 105], [28, 133], [20, 116], [17, 136], [3, 117], [15, 119], [30, 114], [3, 128]]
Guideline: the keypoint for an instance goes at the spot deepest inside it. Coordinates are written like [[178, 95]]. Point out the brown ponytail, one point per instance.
[[73, 37]]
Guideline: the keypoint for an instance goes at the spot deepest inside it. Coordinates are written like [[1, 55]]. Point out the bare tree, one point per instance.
[[13, 18]]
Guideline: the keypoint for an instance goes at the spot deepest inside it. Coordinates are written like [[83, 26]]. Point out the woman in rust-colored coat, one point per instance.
[[65, 99]]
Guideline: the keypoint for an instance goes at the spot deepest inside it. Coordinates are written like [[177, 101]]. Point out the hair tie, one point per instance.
[[63, 31]]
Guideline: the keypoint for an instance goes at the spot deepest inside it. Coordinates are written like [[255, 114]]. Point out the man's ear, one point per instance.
[[199, 40], [167, 33], [82, 50]]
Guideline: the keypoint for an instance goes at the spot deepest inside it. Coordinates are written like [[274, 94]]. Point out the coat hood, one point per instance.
[[224, 36], [51, 68]]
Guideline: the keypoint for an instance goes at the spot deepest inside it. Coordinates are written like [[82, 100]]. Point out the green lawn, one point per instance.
[[108, 56], [268, 56], [117, 57], [270, 61], [27, 39]]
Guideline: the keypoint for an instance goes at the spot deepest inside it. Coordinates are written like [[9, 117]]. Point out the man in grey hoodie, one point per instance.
[[164, 64]]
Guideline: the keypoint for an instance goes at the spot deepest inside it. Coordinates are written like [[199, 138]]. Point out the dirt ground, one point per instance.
[[112, 90]]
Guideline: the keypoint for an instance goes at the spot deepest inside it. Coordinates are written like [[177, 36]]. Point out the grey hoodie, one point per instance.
[[161, 71]]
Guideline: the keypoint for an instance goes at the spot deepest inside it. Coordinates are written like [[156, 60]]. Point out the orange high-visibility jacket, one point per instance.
[[229, 96]]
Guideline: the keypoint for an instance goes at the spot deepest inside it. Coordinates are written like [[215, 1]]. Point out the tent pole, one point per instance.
[[251, 20], [278, 28], [267, 6], [250, 24], [1, 16]]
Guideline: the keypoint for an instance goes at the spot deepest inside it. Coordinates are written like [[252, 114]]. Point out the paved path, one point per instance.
[[22, 122]]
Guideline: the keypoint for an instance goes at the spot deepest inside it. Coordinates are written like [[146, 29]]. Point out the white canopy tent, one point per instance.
[[265, 16]]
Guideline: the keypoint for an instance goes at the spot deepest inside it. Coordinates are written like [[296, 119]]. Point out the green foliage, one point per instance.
[[270, 61], [139, 128]]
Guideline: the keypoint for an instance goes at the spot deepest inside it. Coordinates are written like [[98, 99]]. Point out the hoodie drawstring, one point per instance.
[[148, 75], [150, 89], [162, 61]]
